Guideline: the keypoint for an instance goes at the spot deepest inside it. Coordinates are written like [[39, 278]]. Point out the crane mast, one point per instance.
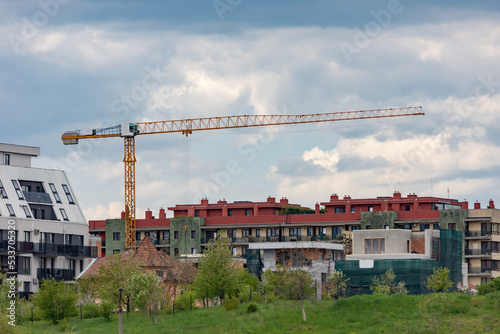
[[129, 131]]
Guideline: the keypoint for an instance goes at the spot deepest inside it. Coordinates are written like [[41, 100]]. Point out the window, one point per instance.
[[18, 190], [309, 231], [336, 230], [294, 232], [193, 250], [81, 265], [339, 210], [272, 232], [257, 232], [244, 251], [6, 159], [355, 228], [63, 214], [452, 226], [54, 192], [166, 235], [370, 208], [11, 210], [247, 212], [245, 233], [26, 211], [229, 213], [176, 234], [193, 234], [407, 207], [27, 236], [3, 193], [196, 213], [26, 266], [27, 286], [68, 194], [159, 273], [116, 236], [375, 246], [138, 236], [353, 209], [322, 231], [176, 251], [424, 227], [43, 262], [72, 264], [231, 233], [435, 226]]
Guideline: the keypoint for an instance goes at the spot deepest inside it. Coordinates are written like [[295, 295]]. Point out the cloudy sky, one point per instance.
[[70, 64]]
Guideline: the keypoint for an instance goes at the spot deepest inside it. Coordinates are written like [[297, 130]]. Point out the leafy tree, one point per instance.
[[56, 300], [218, 274], [115, 274], [386, 284], [295, 281], [87, 289], [440, 280], [489, 287], [147, 292], [337, 284]]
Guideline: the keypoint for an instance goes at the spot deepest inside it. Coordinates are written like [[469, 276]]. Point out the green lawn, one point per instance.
[[436, 313]]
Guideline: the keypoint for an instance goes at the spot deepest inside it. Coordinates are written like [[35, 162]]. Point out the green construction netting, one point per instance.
[[254, 262]]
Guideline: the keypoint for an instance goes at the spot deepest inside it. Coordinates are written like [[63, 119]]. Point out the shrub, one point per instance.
[[439, 281], [231, 303], [106, 310], [258, 298], [56, 300], [247, 293], [64, 326], [489, 287], [91, 310], [252, 308], [271, 298]]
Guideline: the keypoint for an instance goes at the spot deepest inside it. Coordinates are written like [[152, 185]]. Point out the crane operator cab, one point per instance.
[[129, 130]]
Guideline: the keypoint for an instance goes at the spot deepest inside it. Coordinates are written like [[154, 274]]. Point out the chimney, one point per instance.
[[204, 201], [122, 215], [396, 195], [271, 200], [316, 208], [477, 205], [347, 197], [465, 205], [334, 197], [284, 200], [149, 214], [492, 204], [162, 214]]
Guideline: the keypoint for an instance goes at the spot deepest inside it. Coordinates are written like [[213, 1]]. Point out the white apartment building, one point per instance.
[[41, 220]]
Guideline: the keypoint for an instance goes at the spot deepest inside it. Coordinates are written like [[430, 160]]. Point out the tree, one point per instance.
[[292, 277], [56, 300], [115, 274], [218, 274], [440, 280], [337, 284], [386, 284], [489, 287], [147, 291]]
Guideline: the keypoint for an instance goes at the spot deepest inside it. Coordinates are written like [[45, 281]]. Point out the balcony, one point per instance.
[[35, 197], [472, 253], [475, 235], [58, 274], [22, 294], [64, 250], [19, 246], [161, 242]]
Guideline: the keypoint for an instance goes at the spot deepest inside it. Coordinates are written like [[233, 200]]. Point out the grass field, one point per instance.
[[435, 313]]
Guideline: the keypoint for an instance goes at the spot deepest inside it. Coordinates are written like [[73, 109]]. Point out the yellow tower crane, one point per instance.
[[186, 126]]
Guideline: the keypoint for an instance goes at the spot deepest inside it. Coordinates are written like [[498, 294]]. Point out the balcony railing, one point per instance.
[[162, 242], [485, 252], [32, 196], [19, 246], [64, 250], [58, 274], [478, 234], [481, 270], [22, 294]]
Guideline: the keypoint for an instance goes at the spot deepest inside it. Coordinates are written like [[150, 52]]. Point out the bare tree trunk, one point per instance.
[[303, 312]]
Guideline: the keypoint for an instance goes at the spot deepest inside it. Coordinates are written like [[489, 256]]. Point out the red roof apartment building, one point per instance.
[[245, 222]]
